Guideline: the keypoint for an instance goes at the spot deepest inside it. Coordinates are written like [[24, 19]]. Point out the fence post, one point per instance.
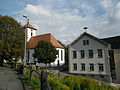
[[44, 80]]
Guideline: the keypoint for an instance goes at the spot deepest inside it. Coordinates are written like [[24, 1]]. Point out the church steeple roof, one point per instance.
[[29, 26]]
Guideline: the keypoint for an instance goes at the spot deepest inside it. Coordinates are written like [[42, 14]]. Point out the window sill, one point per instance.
[[74, 58], [100, 57], [82, 70], [82, 58], [90, 58], [74, 70]]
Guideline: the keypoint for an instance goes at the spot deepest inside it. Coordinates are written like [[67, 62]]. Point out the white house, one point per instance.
[[33, 41], [89, 56]]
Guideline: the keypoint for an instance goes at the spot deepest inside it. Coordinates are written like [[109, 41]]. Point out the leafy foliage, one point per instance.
[[11, 38], [62, 81], [57, 85], [58, 79], [33, 81], [45, 52]]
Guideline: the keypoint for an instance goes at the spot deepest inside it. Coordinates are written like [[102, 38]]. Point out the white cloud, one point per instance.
[[110, 25], [115, 13], [66, 24], [106, 3], [37, 10], [88, 9], [56, 23]]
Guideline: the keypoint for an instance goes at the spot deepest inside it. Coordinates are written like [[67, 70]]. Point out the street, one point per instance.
[[9, 80]]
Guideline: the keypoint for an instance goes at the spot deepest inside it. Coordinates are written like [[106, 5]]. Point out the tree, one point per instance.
[[11, 39], [45, 52]]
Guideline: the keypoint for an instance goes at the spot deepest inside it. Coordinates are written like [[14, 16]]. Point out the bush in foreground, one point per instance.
[[57, 80]]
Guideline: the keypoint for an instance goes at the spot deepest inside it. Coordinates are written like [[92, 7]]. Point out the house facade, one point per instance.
[[89, 56], [33, 40]]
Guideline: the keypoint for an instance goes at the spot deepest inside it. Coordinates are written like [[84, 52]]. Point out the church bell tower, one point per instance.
[[30, 31]]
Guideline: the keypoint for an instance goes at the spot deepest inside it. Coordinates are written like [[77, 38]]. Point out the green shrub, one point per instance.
[[27, 72], [34, 81], [82, 83], [18, 66], [68, 82], [55, 84]]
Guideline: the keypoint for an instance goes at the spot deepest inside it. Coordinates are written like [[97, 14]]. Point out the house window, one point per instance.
[[91, 67], [74, 66], [31, 32], [90, 53], [58, 53], [100, 55], [85, 42], [83, 66], [101, 68], [82, 53], [61, 55], [74, 54]]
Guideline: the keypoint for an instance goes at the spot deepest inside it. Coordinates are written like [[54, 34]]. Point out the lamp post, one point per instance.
[[24, 60]]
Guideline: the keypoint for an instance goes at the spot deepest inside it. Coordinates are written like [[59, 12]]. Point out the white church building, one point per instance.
[[33, 40]]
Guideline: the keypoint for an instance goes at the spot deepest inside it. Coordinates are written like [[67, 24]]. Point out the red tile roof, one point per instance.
[[48, 37], [29, 26]]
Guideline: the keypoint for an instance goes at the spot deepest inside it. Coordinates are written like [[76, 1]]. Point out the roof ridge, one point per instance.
[[41, 35], [85, 33]]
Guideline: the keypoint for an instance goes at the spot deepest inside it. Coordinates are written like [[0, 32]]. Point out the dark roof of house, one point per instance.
[[113, 41], [48, 37], [89, 35]]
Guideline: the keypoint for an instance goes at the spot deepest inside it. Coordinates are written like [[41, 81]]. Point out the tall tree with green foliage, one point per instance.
[[11, 39], [45, 52]]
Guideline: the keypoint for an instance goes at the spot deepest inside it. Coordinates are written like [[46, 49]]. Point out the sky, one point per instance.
[[65, 19]]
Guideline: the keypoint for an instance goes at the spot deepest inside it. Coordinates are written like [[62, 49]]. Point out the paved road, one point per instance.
[[9, 80]]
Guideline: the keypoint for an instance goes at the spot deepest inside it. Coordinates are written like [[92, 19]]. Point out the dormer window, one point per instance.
[[85, 42]]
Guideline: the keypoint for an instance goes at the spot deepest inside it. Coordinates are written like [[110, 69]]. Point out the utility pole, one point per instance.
[[24, 60]]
